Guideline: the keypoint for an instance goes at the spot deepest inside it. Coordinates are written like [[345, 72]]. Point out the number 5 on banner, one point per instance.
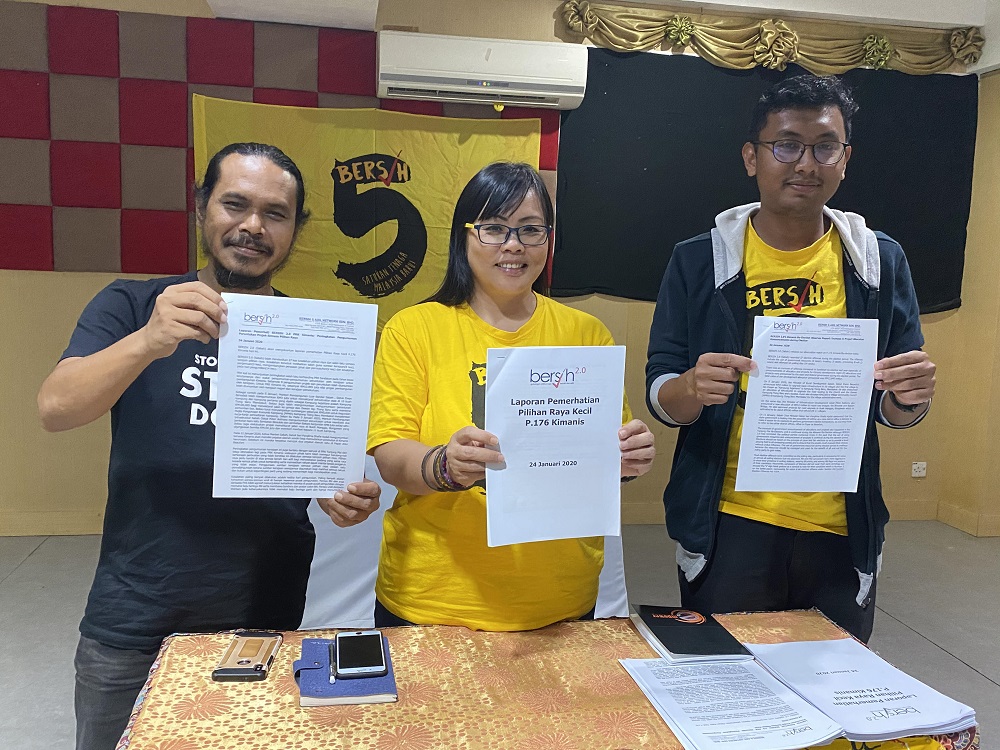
[[357, 213]]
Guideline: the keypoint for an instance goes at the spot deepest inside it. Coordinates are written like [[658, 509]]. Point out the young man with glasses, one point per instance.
[[789, 255]]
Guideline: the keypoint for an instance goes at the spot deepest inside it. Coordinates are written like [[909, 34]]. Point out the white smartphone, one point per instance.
[[359, 653]]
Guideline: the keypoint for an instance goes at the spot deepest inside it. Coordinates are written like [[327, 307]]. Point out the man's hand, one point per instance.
[[713, 378], [638, 450], [909, 377], [354, 505], [468, 452], [710, 381], [81, 389], [192, 310]]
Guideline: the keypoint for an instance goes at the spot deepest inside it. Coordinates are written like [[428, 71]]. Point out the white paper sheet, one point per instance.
[[294, 388], [807, 404], [866, 695], [557, 412], [729, 704]]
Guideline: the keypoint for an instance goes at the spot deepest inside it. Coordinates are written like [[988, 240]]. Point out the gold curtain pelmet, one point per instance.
[[821, 47]]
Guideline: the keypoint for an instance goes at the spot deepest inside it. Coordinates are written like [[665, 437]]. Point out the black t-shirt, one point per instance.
[[173, 558]]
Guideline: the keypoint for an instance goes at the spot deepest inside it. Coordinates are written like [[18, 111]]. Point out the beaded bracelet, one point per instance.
[[439, 484], [423, 468], [443, 485]]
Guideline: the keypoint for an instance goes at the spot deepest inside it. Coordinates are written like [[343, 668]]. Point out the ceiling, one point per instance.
[[344, 14], [360, 14]]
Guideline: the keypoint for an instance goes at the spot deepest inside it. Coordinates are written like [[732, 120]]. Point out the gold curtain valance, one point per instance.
[[820, 47]]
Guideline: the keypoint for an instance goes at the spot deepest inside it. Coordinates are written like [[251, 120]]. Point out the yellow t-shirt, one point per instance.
[[435, 566], [807, 283]]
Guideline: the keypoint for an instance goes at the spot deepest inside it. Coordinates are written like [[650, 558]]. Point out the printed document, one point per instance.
[[557, 411], [734, 705], [294, 387], [807, 404], [867, 696]]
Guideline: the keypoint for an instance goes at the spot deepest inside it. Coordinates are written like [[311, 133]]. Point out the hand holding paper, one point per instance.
[[637, 447], [711, 381], [714, 376], [351, 507], [182, 312], [908, 376], [468, 452]]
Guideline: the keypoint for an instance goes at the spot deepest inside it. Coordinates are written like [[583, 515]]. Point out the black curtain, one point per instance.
[[653, 154]]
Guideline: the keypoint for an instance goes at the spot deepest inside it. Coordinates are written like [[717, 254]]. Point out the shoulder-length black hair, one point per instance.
[[496, 191]]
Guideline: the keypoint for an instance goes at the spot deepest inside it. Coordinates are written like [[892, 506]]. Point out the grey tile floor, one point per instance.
[[938, 619]]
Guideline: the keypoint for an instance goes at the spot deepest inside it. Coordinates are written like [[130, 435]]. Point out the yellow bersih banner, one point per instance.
[[381, 187]]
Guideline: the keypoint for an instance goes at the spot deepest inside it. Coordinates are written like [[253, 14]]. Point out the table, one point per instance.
[[557, 688]]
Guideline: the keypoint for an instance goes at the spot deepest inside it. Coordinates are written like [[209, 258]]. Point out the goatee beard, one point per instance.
[[228, 279], [236, 281]]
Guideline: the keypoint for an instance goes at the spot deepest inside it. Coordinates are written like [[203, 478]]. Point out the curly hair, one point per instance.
[[803, 92]]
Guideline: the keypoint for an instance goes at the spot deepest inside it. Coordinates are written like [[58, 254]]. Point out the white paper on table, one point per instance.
[[729, 704], [807, 404], [862, 692], [556, 411], [293, 393]]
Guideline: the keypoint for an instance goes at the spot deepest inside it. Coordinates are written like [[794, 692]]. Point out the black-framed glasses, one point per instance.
[[789, 151], [498, 234]]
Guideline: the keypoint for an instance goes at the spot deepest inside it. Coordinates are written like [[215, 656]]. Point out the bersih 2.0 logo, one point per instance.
[[356, 212], [261, 319], [555, 378]]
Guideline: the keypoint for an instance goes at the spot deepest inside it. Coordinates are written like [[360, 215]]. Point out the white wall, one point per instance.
[[991, 50], [899, 12]]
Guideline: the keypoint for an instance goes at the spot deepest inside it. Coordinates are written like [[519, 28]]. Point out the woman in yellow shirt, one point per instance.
[[427, 412]]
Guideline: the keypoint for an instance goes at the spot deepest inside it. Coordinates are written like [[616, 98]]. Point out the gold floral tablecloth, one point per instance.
[[557, 688]]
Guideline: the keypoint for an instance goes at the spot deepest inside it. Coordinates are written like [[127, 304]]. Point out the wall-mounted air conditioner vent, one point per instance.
[[490, 71]]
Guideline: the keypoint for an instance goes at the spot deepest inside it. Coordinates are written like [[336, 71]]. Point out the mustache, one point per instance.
[[245, 239]]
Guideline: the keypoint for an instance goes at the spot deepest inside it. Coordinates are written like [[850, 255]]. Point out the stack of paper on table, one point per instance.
[[730, 704], [867, 696], [794, 695]]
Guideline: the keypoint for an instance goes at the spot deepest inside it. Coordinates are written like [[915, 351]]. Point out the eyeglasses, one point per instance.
[[789, 151], [498, 234]]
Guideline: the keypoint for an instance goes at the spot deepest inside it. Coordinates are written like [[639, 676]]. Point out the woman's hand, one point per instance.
[[467, 454], [638, 450], [354, 505]]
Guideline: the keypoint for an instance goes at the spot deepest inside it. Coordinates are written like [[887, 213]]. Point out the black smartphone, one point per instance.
[[358, 653]]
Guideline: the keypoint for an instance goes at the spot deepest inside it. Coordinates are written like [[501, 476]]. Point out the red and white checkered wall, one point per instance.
[[96, 158]]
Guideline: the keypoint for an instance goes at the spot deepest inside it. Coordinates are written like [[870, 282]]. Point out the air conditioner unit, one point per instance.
[[481, 71]]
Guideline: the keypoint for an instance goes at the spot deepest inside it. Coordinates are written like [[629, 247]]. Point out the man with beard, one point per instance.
[[173, 558]]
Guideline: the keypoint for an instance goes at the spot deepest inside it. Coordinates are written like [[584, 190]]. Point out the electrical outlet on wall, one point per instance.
[[919, 469]]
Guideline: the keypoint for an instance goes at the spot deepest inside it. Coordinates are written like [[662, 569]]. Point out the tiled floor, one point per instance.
[[938, 619]]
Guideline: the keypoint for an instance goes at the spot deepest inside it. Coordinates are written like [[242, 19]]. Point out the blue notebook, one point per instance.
[[312, 673]]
